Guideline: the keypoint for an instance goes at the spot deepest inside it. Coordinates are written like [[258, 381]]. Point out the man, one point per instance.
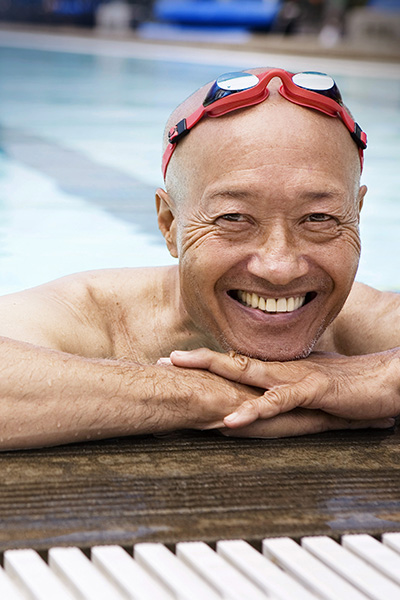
[[262, 208]]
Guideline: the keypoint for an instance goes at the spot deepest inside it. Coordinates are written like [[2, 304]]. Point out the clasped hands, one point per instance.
[[320, 393]]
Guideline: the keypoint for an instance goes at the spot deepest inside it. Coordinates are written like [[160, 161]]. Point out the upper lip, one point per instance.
[[273, 294]]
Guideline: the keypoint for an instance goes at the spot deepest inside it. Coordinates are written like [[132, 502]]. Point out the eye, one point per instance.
[[321, 218], [233, 217]]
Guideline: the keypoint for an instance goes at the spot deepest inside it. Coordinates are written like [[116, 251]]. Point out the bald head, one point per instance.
[[299, 126]]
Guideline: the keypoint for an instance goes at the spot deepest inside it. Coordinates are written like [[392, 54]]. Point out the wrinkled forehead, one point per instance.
[[275, 134]]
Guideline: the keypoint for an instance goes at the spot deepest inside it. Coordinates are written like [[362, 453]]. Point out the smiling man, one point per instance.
[[266, 225], [262, 209]]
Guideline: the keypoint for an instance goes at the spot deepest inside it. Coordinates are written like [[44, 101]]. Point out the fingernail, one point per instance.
[[231, 418], [178, 352], [164, 361]]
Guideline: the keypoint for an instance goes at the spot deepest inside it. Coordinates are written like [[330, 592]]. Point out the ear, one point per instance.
[[166, 220], [361, 195]]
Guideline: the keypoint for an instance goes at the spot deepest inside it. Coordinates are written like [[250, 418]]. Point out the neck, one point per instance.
[[184, 330], [172, 327]]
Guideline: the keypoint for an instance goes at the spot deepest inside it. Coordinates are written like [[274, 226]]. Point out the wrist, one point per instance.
[[393, 369]]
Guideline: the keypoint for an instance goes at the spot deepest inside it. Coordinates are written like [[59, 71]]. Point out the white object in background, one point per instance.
[[392, 540], [372, 583], [115, 16], [309, 570], [262, 571], [81, 576], [8, 589], [182, 581], [31, 572], [381, 557], [227, 580], [118, 566]]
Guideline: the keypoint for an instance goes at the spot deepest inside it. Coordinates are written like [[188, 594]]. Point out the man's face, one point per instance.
[[267, 235]]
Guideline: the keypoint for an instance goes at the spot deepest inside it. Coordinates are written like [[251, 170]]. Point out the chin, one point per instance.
[[282, 353]]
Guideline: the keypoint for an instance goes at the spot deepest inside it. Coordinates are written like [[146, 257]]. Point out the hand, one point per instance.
[[301, 421], [195, 398], [360, 390]]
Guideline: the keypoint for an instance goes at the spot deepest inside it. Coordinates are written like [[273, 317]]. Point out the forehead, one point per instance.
[[273, 140]]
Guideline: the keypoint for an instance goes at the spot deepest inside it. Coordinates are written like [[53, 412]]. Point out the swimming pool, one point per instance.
[[80, 130]]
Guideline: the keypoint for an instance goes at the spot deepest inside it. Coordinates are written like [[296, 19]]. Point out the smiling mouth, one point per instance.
[[271, 305]]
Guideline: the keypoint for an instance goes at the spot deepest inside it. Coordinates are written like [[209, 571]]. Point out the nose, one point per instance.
[[279, 257]]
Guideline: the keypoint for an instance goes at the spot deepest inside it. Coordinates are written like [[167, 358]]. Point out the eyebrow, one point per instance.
[[306, 195], [321, 194], [230, 194]]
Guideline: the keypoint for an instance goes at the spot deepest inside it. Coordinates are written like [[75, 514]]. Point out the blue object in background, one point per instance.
[[385, 5], [74, 7], [70, 12], [258, 14]]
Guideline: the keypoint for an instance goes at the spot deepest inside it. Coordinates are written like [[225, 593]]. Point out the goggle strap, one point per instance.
[[361, 154], [195, 117], [182, 128], [358, 135], [179, 131], [166, 158]]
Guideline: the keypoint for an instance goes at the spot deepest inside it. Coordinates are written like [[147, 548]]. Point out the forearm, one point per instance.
[[49, 397]]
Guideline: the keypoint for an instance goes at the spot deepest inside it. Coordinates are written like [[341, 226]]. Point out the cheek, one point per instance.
[[343, 258]]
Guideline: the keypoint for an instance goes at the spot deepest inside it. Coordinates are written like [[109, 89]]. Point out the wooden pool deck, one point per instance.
[[200, 486]]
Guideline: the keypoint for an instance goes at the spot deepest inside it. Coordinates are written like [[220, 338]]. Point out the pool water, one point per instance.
[[80, 139]]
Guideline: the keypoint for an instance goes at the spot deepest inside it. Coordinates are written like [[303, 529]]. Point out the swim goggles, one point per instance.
[[239, 90]]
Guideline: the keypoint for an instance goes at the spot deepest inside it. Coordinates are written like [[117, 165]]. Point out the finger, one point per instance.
[[303, 422], [235, 367], [280, 399]]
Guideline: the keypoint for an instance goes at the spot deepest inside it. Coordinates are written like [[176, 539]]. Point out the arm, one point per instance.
[[50, 397], [59, 385]]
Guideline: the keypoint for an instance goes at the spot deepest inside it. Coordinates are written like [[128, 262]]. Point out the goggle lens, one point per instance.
[[320, 83], [230, 83], [237, 81]]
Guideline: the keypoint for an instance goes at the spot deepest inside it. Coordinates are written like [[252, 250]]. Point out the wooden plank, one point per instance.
[[200, 486]]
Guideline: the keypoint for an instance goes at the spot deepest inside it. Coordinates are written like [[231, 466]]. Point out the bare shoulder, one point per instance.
[[369, 321], [75, 313]]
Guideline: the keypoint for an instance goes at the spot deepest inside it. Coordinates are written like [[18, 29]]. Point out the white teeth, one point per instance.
[[281, 305], [271, 305]]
